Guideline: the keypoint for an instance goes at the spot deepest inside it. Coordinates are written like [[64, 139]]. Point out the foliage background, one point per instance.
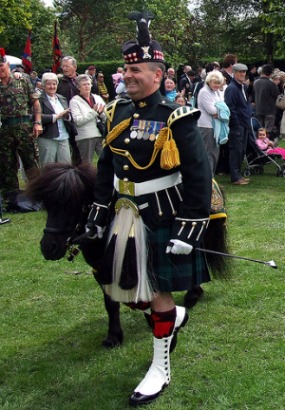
[[193, 32]]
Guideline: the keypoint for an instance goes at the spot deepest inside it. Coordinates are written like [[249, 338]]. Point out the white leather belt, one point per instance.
[[147, 187]]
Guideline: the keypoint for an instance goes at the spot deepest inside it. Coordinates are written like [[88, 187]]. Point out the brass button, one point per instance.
[[127, 140], [126, 167], [136, 115]]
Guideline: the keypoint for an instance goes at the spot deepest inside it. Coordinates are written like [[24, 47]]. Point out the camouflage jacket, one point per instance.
[[17, 97]]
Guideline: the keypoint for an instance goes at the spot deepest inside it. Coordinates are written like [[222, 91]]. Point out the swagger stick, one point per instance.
[[272, 264]]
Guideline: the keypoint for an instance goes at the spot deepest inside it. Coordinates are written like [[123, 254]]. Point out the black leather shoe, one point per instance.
[[138, 399]]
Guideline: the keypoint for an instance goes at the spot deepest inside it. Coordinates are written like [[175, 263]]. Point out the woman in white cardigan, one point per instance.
[[87, 111], [210, 93]]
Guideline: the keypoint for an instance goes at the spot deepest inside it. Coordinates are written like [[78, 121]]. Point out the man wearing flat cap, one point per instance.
[[153, 145], [91, 71], [237, 100], [18, 131]]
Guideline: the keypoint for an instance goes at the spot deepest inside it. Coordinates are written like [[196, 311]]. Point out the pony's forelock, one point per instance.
[[63, 185]]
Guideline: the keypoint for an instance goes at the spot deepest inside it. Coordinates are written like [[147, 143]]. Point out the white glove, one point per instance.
[[178, 247]]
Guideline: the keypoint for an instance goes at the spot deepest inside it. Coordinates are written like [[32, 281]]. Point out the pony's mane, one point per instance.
[[63, 184]]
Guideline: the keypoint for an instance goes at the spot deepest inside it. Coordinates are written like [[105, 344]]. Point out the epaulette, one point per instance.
[[180, 112], [111, 107]]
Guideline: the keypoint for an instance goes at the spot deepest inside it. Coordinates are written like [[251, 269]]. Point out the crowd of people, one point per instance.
[[72, 120], [52, 118], [243, 92]]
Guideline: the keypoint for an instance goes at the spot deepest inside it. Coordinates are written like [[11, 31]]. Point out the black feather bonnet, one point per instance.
[[143, 49]]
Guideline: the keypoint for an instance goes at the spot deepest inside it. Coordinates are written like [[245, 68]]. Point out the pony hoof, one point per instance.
[[193, 296], [111, 342]]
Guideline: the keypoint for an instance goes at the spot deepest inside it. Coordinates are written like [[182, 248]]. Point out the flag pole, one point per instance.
[[56, 51], [27, 54]]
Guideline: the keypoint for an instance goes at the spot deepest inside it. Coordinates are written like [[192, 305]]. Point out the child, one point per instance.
[[266, 145], [180, 99], [262, 140]]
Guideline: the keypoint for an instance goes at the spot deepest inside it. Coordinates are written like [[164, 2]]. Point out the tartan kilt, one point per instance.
[[174, 272]]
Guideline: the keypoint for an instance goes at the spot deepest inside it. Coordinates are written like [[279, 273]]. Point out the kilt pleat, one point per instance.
[[174, 272]]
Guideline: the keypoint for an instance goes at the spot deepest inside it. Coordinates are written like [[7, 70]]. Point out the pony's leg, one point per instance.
[[192, 296], [115, 333]]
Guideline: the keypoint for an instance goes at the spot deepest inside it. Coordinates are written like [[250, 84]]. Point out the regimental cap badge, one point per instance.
[[3, 58], [144, 48]]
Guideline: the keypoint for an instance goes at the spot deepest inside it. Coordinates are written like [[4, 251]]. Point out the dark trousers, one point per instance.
[[237, 149], [15, 140], [1, 210]]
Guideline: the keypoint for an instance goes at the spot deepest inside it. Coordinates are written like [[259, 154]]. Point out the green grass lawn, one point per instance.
[[230, 356]]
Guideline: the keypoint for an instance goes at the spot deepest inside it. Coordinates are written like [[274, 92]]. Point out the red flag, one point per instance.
[[56, 50], [27, 55]]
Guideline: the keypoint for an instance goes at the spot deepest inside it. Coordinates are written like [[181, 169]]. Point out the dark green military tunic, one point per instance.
[[165, 210]]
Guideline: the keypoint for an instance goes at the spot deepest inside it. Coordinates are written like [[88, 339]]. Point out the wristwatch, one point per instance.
[[38, 122]]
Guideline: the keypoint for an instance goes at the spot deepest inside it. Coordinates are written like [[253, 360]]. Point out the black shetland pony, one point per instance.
[[67, 193]]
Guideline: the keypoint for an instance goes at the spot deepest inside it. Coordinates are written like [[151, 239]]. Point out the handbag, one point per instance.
[[280, 102], [101, 126]]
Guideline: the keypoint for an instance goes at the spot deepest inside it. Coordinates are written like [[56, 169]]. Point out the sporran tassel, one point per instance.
[[130, 258], [129, 275], [104, 274]]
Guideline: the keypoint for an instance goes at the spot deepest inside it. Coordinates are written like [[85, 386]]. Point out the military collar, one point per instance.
[[149, 101]]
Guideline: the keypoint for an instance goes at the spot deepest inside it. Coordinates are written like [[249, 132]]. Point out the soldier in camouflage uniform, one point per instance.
[[18, 134]]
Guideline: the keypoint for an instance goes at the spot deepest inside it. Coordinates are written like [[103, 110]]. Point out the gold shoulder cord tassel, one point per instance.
[[169, 155]]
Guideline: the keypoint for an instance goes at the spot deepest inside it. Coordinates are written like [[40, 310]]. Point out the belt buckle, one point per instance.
[[127, 187]]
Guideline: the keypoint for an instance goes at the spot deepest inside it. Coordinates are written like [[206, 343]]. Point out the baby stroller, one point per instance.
[[256, 159]]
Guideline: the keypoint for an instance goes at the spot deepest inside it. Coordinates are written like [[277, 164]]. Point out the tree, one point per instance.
[[273, 15], [42, 32], [19, 19], [15, 15], [102, 27], [90, 20], [231, 26]]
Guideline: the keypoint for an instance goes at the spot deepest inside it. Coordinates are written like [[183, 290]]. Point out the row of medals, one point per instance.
[[143, 131]]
